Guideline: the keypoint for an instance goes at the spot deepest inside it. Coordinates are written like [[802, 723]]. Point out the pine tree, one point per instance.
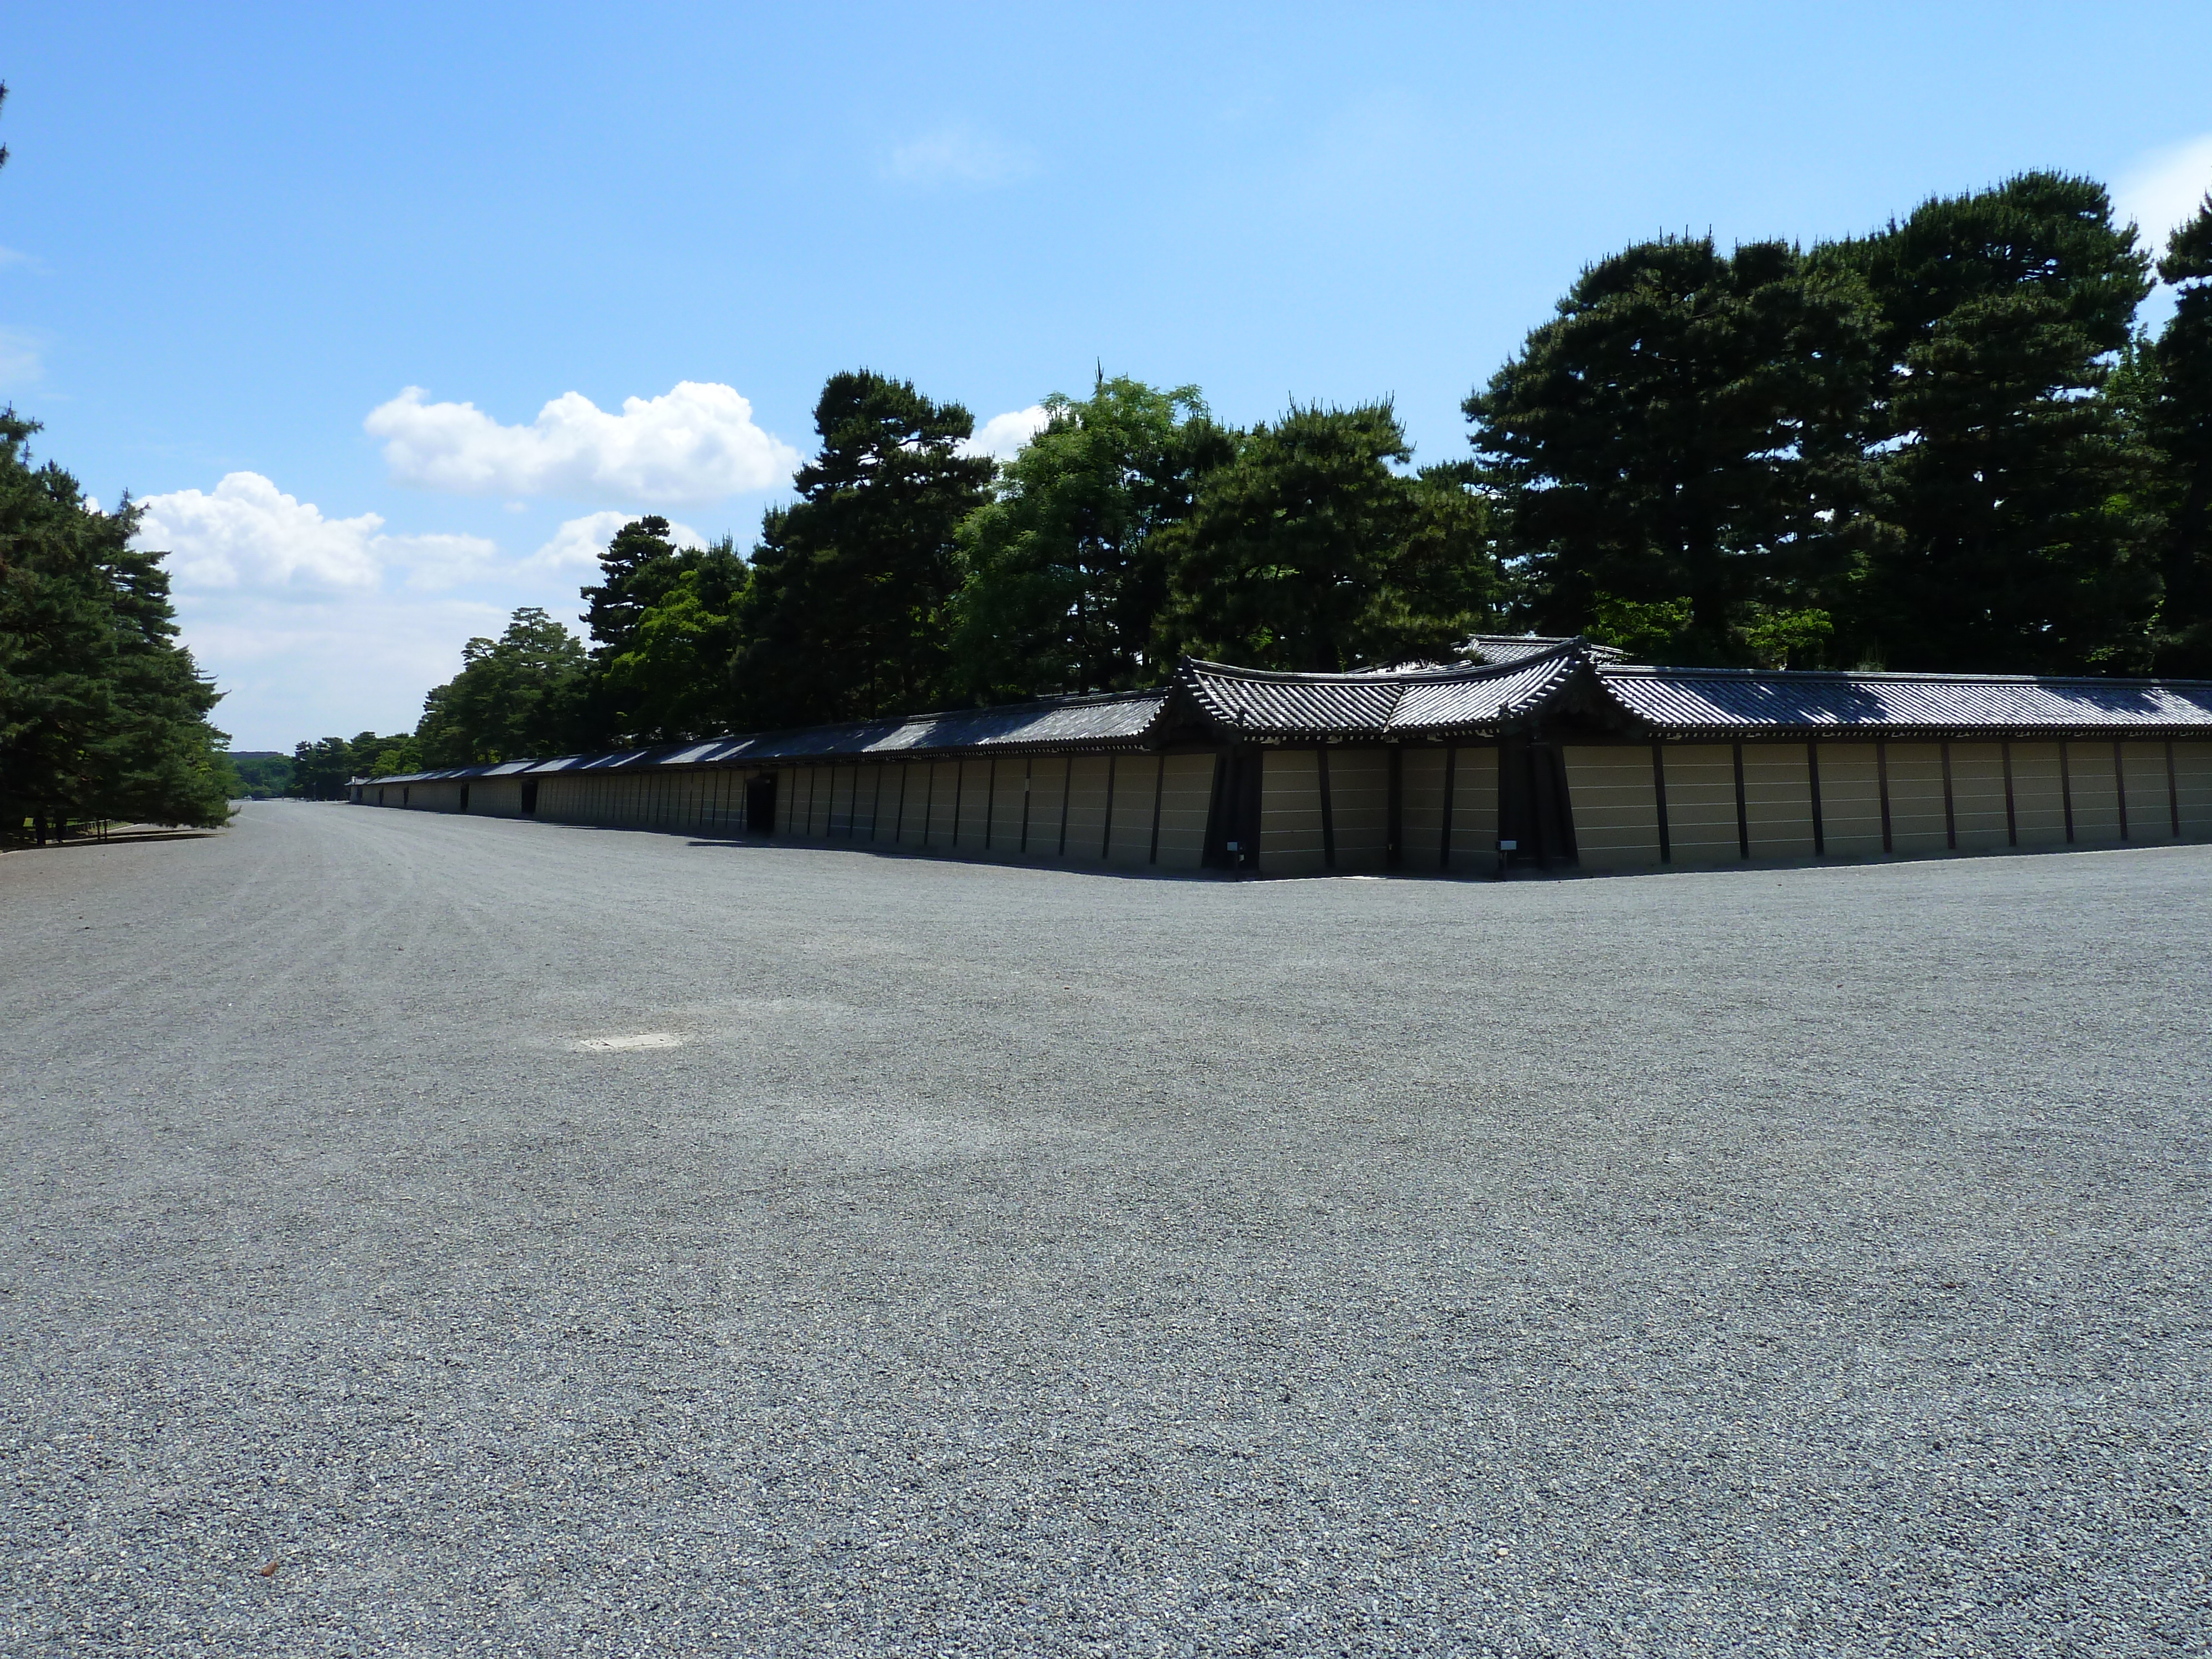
[[1684, 439], [846, 616], [102, 714], [523, 695], [2178, 423], [2017, 503], [656, 674], [673, 678]]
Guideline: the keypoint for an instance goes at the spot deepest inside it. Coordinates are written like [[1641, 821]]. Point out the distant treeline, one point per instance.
[[1946, 446]]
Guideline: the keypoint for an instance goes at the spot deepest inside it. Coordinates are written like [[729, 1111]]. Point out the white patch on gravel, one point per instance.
[[643, 1039]]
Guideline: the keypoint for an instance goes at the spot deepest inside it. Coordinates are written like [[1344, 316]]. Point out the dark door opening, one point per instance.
[[465, 798], [529, 797], [760, 805], [1232, 828]]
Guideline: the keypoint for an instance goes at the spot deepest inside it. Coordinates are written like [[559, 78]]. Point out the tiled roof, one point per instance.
[[1528, 676], [1416, 703], [1699, 700], [1125, 719]]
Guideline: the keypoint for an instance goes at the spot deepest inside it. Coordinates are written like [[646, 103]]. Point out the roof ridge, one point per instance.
[[1644, 670]]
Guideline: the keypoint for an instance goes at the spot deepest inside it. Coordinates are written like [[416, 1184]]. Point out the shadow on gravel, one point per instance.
[[113, 838]]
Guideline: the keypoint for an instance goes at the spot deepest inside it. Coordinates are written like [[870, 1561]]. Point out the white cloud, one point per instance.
[[248, 533], [960, 156], [438, 561], [696, 443], [2162, 188], [1002, 436], [577, 544], [21, 365], [13, 256], [322, 666]]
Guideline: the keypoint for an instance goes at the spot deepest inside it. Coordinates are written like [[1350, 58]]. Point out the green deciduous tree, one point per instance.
[[673, 678], [664, 635], [1065, 570], [102, 714], [1687, 434], [845, 615], [523, 694], [2019, 505], [1306, 551]]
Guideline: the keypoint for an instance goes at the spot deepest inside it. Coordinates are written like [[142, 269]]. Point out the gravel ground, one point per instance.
[[1021, 1261]]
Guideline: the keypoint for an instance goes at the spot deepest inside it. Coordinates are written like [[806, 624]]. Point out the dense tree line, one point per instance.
[[103, 715], [1943, 445]]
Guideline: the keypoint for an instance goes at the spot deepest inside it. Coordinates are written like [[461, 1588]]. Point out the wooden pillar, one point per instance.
[[1159, 793], [1106, 833], [1820, 822], [1742, 808], [1950, 813], [2066, 786], [2012, 812], [1451, 790], [1393, 823], [1881, 778], [1327, 817]]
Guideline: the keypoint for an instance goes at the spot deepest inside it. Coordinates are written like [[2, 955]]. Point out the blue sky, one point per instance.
[[236, 236]]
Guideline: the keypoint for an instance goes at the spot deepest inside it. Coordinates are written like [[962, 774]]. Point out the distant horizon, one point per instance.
[[389, 322]]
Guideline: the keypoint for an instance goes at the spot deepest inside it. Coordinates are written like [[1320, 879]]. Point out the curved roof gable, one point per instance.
[[1409, 702]]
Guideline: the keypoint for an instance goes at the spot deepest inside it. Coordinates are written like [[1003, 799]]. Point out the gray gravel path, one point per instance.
[[1020, 1260]]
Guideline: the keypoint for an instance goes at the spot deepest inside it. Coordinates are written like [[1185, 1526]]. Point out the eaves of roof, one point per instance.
[[1485, 699], [1478, 699], [1128, 719], [1736, 702]]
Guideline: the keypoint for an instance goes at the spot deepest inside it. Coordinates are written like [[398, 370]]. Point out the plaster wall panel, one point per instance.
[[1359, 804], [1421, 805], [1615, 805], [1916, 799], [1185, 803], [1094, 777], [1290, 813], [1701, 803], [1978, 797], [2150, 803], [2039, 806], [1474, 810], [1777, 799], [1049, 800], [2096, 794], [2192, 770]]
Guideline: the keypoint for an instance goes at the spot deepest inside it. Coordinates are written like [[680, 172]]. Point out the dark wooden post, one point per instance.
[[1327, 817]]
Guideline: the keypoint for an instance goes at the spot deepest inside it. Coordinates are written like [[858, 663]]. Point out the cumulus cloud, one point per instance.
[[577, 544], [959, 155], [248, 533], [1002, 436], [2163, 188], [696, 443], [311, 666]]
